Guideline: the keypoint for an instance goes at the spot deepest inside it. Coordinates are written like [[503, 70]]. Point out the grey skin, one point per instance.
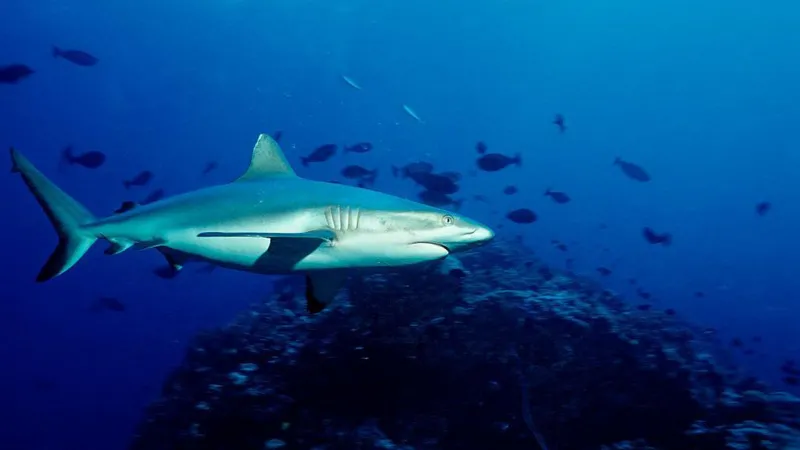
[[268, 221]]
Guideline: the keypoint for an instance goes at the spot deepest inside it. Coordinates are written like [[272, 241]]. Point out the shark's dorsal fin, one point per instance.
[[267, 161]]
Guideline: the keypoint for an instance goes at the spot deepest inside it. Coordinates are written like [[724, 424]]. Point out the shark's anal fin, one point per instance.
[[267, 161], [321, 288], [117, 246]]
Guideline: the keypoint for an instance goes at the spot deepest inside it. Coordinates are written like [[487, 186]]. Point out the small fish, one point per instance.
[[435, 182], [644, 307], [699, 294], [412, 113], [140, 179], [320, 154], [412, 169], [355, 172], [126, 206], [632, 171], [559, 245], [643, 294], [154, 196], [737, 342], [454, 176], [438, 199], [78, 57], [493, 162], [350, 81], [522, 215], [559, 122], [763, 208], [210, 167], [480, 198], [510, 190], [652, 237], [361, 147], [481, 147], [90, 160], [604, 271], [13, 73], [669, 312], [109, 304], [791, 381], [277, 136], [558, 197]]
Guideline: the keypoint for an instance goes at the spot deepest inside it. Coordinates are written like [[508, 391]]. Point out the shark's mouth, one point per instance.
[[436, 244]]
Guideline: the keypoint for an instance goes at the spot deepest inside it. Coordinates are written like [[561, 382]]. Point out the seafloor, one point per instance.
[[498, 354]]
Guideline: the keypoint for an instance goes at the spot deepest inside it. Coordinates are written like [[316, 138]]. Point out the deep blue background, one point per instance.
[[702, 94]]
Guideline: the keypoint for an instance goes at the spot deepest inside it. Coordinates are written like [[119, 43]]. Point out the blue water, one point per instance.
[[704, 96]]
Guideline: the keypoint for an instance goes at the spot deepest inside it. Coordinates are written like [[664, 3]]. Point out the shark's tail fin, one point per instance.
[[66, 215]]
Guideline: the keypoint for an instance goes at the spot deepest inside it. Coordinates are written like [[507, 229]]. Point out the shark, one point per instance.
[[267, 221]]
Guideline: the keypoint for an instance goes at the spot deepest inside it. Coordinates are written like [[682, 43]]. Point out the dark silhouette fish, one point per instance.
[[361, 147], [277, 136], [108, 304], [320, 154], [125, 206], [559, 122], [412, 169], [522, 215], [141, 179], [154, 196], [90, 160], [558, 197], [438, 199], [763, 208], [510, 190], [652, 237], [454, 176], [559, 245], [632, 171], [356, 172], [493, 162], [210, 167], [481, 147], [78, 57], [13, 73], [435, 182]]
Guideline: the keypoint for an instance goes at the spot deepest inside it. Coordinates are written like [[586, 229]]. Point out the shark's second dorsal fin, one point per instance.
[[267, 161]]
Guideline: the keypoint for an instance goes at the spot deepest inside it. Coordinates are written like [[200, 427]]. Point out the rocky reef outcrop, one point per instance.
[[493, 352]]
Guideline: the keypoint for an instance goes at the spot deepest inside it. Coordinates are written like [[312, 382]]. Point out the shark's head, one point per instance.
[[450, 231], [390, 238]]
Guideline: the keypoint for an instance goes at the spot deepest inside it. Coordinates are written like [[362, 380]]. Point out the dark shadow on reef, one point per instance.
[[499, 354]]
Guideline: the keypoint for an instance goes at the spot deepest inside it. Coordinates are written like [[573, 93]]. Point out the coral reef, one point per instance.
[[497, 352]]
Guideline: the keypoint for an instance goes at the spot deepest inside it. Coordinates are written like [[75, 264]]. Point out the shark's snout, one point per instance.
[[469, 238]]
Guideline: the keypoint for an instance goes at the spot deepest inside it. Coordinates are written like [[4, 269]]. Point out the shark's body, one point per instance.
[[268, 221]]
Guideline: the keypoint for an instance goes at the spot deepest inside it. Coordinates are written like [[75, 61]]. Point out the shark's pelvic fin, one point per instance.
[[321, 288], [267, 161], [66, 215], [325, 235]]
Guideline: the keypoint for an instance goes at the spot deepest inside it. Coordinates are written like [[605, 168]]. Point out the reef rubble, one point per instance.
[[494, 351]]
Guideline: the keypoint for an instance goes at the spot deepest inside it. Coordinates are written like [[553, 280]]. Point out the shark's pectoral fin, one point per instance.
[[267, 161], [324, 235], [321, 288]]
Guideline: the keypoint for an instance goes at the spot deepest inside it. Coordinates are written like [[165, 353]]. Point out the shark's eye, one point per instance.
[[448, 220]]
